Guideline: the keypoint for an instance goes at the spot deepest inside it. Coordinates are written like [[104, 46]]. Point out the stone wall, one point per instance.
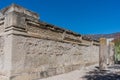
[[2, 24], [2, 40], [1, 53], [40, 58], [31, 49]]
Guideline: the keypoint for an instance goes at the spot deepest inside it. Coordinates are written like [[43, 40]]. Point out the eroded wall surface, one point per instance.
[[31, 49], [1, 53], [2, 48], [39, 58]]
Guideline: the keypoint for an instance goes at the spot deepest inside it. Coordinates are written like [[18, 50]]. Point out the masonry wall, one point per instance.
[[2, 47], [1, 53], [1, 44], [31, 49], [40, 58], [2, 24]]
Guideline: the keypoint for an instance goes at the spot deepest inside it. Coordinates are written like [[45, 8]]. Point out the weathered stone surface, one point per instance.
[[31, 49], [48, 57], [1, 24], [111, 53], [1, 54], [19, 9], [103, 54]]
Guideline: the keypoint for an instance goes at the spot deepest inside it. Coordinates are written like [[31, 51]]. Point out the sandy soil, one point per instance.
[[90, 73], [74, 75]]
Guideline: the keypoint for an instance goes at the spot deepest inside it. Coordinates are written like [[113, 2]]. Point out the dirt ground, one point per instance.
[[90, 73]]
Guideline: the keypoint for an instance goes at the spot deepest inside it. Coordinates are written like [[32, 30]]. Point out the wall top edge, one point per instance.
[[17, 8], [59, 29], [34, 18]]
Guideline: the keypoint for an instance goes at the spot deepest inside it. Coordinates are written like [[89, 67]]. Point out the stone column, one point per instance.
[[103, 54], [111, 54]]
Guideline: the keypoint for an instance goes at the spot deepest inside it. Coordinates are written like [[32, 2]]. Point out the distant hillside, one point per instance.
[[97, 36]]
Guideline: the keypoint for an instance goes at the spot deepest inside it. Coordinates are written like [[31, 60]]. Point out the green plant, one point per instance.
[[117, 49]]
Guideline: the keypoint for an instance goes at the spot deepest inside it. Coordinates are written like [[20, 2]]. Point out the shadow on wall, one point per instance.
[[102, 75]]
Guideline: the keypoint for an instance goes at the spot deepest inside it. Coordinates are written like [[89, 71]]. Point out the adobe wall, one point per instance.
[[31, 49]]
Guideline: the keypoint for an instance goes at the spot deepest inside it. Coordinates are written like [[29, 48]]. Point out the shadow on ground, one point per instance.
[[102, 75], [114, 67]]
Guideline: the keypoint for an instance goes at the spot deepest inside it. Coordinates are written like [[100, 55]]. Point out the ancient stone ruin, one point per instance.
[[31, 49]]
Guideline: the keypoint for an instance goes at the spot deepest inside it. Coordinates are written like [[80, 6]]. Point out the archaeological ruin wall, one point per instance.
[[1, 42], [31, 49]]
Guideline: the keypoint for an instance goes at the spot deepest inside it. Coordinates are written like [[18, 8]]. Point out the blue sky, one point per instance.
[[81, 16]]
